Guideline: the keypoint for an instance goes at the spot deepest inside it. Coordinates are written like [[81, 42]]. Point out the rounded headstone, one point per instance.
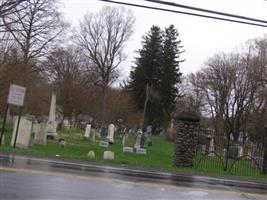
[[91, 154]]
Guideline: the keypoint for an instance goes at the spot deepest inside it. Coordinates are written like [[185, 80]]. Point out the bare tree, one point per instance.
[[67, 69], [7, 6], [103, 36], [35, 25]]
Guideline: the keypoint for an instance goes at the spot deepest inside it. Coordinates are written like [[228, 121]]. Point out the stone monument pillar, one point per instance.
[[186, 137], [51, 127]]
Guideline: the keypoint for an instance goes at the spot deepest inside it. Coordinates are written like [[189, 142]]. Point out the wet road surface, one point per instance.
[[31, 178]]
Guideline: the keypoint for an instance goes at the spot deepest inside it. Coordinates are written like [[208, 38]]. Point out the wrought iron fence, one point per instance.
[[221, 154]]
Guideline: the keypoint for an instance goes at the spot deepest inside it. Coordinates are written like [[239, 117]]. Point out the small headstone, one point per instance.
[[203, 149], [128, 150], [108, 155], [140, 151], [103, 144], [92, 136], [211, 148], [111, 130], [138, 139], [87, 131], [66, 124], [40, 134], [91, 154], [24, 133], [240, 151], [61, 142], [124, 137]]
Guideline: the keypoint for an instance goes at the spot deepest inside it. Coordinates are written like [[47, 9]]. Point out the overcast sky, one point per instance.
[[201, 37]]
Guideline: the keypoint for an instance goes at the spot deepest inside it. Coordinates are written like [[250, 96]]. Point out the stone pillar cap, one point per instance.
[[187, 116]]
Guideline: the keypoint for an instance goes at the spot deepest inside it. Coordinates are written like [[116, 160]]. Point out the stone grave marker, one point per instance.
[[103, 144], [66, 124], [91, 154], [111, 130], [140, 151], [87, 131], [211, 148], [127, 149], [108, 155], [138, 139], [40, 134], [24, 132]]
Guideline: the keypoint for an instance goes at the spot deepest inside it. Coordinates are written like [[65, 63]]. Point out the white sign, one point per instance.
[[16, 95]]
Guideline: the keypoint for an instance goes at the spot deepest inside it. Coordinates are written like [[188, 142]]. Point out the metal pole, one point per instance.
[[20, 110], [3, 126]]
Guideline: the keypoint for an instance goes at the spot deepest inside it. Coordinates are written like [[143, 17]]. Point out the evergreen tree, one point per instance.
[[157, 73], [170, 71]]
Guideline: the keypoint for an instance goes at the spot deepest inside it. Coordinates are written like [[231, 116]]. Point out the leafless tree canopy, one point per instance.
[[102, 36], [7, 6], [232, 86], [33, 25]]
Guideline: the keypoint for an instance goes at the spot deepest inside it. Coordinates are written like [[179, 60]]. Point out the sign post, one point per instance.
[[16, 97], [3, 126]]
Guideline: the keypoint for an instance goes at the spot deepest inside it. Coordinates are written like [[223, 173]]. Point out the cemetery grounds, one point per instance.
[[159, 155]]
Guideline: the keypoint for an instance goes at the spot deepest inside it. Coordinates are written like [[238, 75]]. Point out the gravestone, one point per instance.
[[91, 154], [51, 126], [66, 124], [108, 155], [211, 148], [40, 134], [24, 132], [62, 142], [87, 131], [140, 151], [111, 130], [124, 138], [127, 149], [103, 144], [240, 151], [138, 139]]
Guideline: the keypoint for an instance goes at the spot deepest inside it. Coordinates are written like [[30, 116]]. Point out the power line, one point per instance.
[[206, 10], [186, 13]]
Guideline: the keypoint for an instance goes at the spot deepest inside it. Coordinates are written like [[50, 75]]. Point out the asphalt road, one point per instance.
[[31, 178]]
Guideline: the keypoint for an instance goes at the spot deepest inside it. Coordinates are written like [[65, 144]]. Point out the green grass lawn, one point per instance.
[[159, 155]]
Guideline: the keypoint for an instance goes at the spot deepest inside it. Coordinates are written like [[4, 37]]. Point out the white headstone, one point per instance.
[[66, 124], [211, 148], [103, 144], [24, 133], [52, 124], [140, 151], [91, 154], [138, 140], [111, 130], [128, 149], [108, 155], [87, 131], [40, 134], [240, 151]]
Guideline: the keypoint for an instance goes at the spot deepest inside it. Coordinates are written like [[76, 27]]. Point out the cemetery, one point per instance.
[[134, 151]]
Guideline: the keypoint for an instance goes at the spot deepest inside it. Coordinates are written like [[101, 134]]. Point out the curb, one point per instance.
[[226, 181]]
